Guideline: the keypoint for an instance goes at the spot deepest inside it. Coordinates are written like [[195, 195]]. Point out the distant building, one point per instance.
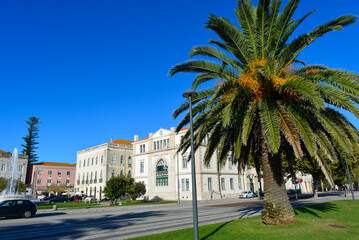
[[96, 165], [303, 182], [44, 174], [167, 174], [5, 165]]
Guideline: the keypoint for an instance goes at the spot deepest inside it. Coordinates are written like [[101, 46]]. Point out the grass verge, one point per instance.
[[332, 220], [80, 205]]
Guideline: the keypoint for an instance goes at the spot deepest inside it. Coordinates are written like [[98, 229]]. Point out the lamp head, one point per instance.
[[190, 93]]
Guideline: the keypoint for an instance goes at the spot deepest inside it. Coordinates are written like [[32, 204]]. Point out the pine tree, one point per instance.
[[30, 139]]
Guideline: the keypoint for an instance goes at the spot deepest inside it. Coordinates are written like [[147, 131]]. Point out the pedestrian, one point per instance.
[[345, 190]]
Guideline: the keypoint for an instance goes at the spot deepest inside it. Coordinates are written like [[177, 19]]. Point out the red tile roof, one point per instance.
[[184, 128], [123, 142], [1, 151], [56, 164], [142, 139]]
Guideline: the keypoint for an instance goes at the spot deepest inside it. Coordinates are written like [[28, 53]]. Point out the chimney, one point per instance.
[[135, 138], [173, 129]]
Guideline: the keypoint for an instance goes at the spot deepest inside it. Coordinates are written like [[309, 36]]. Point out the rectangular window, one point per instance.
[[144, 148], [3, 167], [84, 162], [187, 184], [140, 148], [231, 183], [230, 163], [59, 173], [164, 143], [168, 143], [101, 159], [184, 160], [67, 182], [142, 168], [58, 181], [183, 185], [48, 182], [158, 145], [92, 161], [40, 172], [88, 162], [154, 145], [209, 184], [49, 172], [68, 173], [39, 181], [223, 187]]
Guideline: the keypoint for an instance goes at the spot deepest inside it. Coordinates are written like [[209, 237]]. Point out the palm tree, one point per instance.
[[265, 102]]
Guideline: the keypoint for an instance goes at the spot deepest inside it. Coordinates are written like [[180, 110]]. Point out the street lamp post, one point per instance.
[[190, 93], [348, 173]]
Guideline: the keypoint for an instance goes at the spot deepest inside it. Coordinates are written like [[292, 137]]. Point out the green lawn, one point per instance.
[[313, 222], [79, 205]]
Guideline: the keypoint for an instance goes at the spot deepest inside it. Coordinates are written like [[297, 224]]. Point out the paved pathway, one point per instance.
[[131, 221]]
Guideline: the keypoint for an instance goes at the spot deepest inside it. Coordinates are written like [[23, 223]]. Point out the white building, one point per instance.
[[167, 174], [96, 165], [304, 183]]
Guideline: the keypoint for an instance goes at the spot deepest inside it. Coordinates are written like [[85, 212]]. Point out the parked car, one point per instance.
[[75, 199], [292, 191], [104, 199], [17, 208], [246, 194], [90, 199], [57, 199], [47, 199]]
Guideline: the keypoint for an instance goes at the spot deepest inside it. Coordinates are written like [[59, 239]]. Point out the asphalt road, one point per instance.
[[132, 221]]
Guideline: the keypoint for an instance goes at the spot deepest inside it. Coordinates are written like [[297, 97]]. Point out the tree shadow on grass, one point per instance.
[[216, 230], [314, 209]]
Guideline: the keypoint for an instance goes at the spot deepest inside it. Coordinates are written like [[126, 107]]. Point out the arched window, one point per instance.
[[129, 161], [122, 160], [129, 173], [162, 173], [114, 158], [121, 173]]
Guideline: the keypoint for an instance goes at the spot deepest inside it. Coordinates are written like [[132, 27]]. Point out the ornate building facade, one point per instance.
[[96, 165], [167, 173]]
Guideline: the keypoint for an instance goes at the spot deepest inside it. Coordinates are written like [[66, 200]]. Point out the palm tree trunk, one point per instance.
[[277, 208], [219, 178], [315, 186]]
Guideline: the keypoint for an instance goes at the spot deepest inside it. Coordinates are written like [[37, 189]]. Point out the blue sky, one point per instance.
[[96, 70]]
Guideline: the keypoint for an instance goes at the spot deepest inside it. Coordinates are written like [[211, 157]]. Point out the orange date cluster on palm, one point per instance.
[[257, 87]]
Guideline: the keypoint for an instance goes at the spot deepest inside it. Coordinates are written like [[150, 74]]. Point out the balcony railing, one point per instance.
[[95, 181], [100, 180]]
